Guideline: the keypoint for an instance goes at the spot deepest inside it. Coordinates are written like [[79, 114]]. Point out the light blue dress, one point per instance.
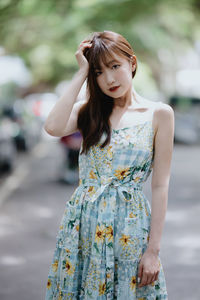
[[105, 226]]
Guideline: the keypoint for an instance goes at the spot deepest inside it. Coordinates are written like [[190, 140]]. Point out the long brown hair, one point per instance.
[[93, 117]]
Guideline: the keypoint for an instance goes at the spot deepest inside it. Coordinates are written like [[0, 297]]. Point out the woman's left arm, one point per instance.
[[163, 149]]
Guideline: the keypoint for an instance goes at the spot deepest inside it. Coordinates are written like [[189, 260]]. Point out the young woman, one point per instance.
[[108, 242]]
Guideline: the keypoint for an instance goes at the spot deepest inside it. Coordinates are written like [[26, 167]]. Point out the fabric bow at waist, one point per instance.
[[110, 182]]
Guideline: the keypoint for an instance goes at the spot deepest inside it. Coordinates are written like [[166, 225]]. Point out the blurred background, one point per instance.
[[38, 173]]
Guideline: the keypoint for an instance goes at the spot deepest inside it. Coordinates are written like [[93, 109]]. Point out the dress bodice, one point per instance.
[[128, 157]]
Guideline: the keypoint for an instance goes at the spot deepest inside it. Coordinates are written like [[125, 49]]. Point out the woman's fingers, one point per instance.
[[156, 277], [89, 42], [150, 279], [82, 46], [144, 279], [140, 268], [153, 278], [81, 59], [86, 40], [147, 279], [85, 45], [148, 271]]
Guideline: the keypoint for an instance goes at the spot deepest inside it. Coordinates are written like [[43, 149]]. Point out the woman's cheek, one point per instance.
[[100, 84]]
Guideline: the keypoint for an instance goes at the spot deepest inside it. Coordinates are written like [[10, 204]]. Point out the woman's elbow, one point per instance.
[[52, 131]]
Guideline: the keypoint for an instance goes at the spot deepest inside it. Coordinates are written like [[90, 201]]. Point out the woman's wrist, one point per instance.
[[83, 72], [153, 249]]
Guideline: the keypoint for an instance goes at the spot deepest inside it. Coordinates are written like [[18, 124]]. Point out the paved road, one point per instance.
[[32, 202]]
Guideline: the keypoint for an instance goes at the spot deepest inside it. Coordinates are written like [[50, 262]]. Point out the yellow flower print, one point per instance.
[[125, 239], [55, 266], [100, 233], [121, 173], [61, 227], [108, 275], [109, 152], [136, 179], [91, 190], [102, 288], [109, 233], [141, 298], [60, 297], [132, 215], [133, 283], [148, 238], [92, 175], [146, 211], [69, 268], [67, 250], [48, 283], [77, 227]]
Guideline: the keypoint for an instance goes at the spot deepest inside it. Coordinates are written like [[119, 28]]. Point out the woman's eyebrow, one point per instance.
[[112, 61], [108, 63]]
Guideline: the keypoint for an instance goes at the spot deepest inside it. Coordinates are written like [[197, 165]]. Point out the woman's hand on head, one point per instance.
[[81, 59], [149, 268]]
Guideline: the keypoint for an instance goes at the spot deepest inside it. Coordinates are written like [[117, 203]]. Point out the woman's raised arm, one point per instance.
[[57, 121]]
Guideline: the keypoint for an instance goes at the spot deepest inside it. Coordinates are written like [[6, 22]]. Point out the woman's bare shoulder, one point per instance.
[[163, 116], [163, 110]]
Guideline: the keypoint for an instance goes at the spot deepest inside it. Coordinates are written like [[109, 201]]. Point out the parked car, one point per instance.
[[26, 128], [8, 150], [71, 146]]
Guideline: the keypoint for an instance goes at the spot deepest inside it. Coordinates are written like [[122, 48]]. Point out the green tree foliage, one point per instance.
[[46, 33]]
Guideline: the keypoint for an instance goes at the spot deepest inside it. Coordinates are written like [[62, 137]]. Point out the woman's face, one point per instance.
[[118, 73]]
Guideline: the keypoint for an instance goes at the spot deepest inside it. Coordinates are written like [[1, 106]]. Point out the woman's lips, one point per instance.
[[113, 89]]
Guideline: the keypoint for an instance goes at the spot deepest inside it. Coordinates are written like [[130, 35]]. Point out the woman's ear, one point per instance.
[[133, 62], [133, 67]]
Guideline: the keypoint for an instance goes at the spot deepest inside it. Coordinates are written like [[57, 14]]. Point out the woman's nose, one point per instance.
[[109, 78]]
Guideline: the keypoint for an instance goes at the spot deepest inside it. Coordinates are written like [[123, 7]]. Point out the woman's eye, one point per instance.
[[97, 73], [115, 66]]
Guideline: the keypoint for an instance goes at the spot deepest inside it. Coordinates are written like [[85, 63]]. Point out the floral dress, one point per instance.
[[106, 223]]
